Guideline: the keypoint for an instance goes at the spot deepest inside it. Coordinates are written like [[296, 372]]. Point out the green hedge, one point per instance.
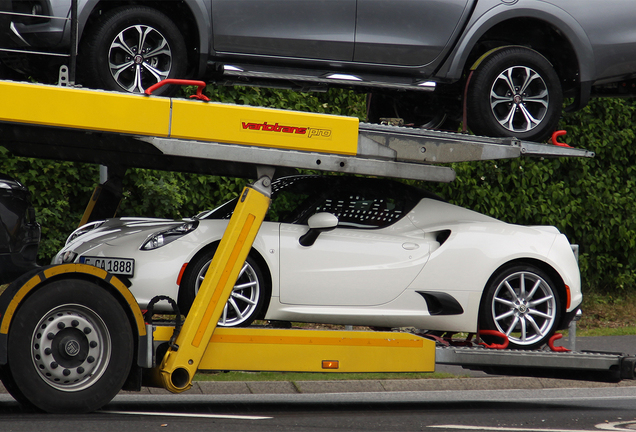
[[590, 200]]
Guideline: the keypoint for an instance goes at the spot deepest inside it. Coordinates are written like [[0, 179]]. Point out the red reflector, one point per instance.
[[183, 267], [569, 297]]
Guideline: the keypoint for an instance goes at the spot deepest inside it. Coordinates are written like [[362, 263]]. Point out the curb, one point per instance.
[[379, 386]]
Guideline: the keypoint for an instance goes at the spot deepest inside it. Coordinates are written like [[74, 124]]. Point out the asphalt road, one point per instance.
[[483, 403], [542, 410]]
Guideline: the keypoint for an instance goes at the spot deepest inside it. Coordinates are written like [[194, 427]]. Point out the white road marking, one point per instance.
[[506, 429], [165, 414], [618, 426]]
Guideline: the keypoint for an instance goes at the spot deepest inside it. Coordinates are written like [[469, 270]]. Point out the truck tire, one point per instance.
[[131, 49], [70, 348], [514, 92], [522, 302]]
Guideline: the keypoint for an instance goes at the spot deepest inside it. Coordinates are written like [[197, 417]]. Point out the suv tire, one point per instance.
[[514, 92], [131, 49]]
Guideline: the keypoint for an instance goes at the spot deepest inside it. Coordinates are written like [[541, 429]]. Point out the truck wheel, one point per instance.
[[523, 303], [70, 347], [514, 92], [248, 301], [131, 49]]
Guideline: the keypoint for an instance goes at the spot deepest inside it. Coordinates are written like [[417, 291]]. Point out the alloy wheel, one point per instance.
[[139, 57], [524, 307], [519, 99]]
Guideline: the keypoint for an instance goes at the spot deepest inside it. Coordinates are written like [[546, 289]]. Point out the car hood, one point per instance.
[[118, 228]]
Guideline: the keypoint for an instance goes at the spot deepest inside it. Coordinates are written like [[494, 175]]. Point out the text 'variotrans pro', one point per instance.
[[309, 132]]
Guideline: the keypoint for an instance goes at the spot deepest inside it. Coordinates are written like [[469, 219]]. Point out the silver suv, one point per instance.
[[505, 66]]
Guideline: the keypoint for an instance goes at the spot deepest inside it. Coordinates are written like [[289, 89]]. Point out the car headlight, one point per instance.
[[163, 238], [66, 258], [83, 230]]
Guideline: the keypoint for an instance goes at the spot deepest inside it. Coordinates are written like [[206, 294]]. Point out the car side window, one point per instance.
[[287, 205], [358, 211]]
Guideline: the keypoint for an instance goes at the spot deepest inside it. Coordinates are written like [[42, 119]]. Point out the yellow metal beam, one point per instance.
[[263, 127], [134, 114], [257, 349], [84, 109], [179, 365]]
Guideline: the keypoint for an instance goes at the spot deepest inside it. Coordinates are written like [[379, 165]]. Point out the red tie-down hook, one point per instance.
[[555, 338], [495, 333], [555, 138], [199, 94]]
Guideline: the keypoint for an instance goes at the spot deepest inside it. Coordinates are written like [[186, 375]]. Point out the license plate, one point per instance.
[[116, 266]]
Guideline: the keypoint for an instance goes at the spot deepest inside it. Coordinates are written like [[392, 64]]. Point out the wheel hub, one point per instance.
[[139, 59], [68, 349], [71, 347]]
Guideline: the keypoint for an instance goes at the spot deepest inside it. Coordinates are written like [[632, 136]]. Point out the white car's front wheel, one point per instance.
[[523, 303], [249, 298]]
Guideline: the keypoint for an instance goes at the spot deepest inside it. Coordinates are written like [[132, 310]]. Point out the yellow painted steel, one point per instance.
[[176, 118], [179, 366], [90, 206], [254, 349], [70, 269], [84, 109], [263, 127]]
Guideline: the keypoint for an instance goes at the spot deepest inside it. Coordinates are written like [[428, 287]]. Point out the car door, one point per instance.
[[369, 259], [347, 267], [316, 29], [407, 32]]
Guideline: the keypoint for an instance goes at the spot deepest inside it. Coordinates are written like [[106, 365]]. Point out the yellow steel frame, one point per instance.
[[200, 345], [177, 118], [261, 349]]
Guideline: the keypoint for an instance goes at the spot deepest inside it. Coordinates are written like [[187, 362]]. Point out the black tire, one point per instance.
[[116, 39], [514, 92], [417, 109], [249, 299], [70, 348], [530, 316]]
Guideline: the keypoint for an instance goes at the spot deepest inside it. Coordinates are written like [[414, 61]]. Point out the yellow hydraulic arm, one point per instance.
[[180, 363]]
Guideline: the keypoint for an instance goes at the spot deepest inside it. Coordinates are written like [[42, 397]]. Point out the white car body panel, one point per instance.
[[350, 267]]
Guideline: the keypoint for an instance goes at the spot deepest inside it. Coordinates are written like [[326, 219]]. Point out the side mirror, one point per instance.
[[318, 223]]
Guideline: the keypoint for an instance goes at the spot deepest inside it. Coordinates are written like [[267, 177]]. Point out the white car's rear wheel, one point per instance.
[[249, 298], [523, 303]]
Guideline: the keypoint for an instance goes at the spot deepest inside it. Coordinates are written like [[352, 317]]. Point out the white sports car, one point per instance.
[[395, 256]]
